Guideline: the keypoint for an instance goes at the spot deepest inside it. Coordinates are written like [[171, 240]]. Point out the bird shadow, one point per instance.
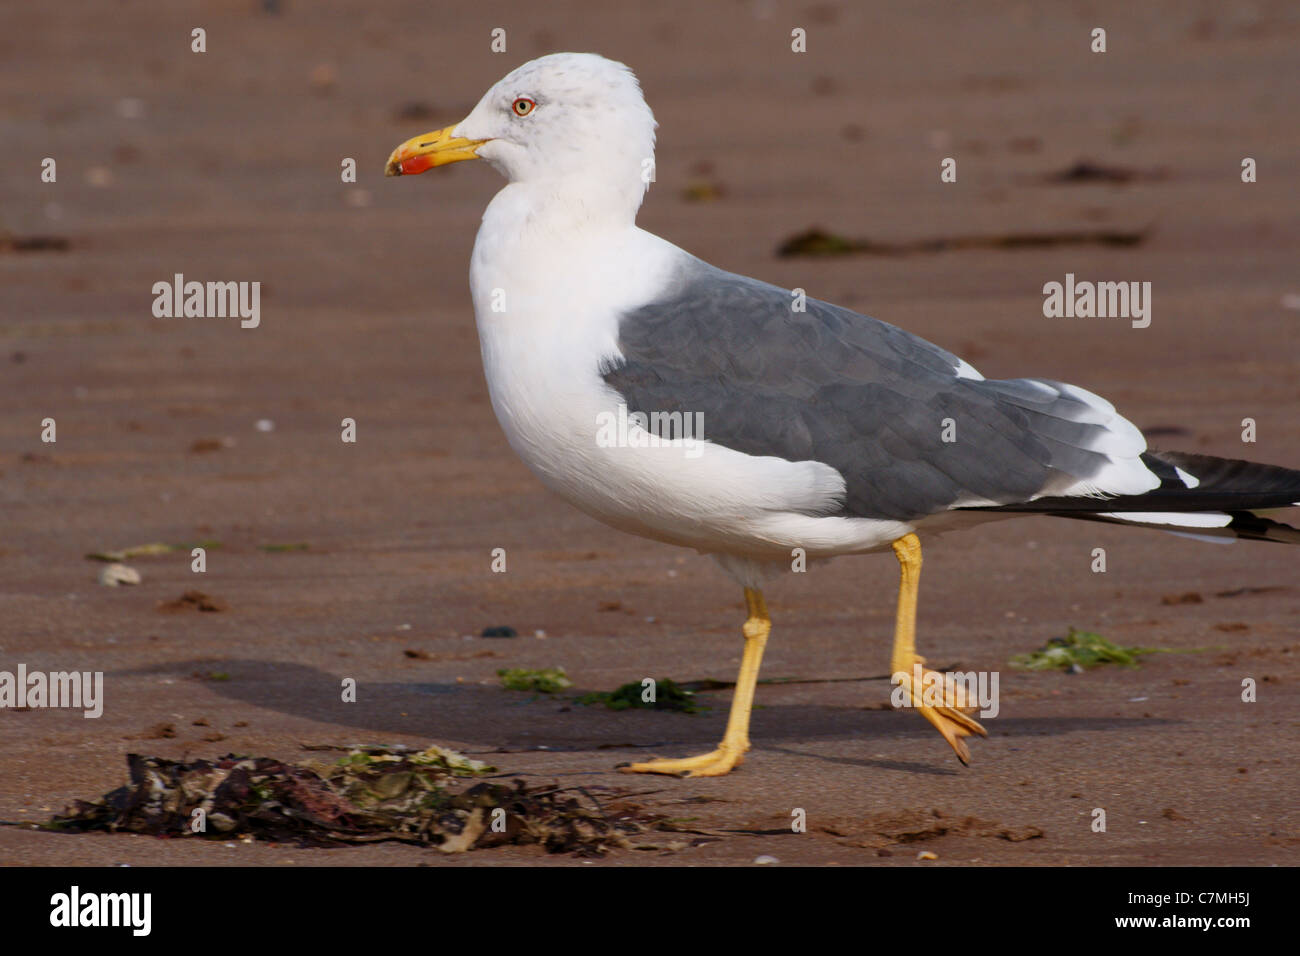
[[898, 725], [498, 720]]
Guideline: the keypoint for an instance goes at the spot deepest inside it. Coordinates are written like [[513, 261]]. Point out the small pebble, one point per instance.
[[114, 575], [927, 855], [499, 632], [324, 78], [765, 860], [130, 108]]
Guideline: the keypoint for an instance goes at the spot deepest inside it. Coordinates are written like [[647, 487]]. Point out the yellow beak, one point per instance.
[[432, 149]]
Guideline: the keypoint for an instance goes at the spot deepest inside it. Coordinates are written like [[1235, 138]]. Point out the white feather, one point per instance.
[[1181, 519]]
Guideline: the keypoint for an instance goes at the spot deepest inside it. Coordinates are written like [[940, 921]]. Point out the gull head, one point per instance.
[[565, 118]]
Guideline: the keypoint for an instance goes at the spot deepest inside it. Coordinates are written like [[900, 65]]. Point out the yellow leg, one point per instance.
[[952, 719], [731, 752]]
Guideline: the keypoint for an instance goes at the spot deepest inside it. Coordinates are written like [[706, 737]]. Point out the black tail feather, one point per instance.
[[1242, 524], [1199, 486]]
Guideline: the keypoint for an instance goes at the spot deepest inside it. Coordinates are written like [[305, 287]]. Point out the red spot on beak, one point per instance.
[[416, 165]]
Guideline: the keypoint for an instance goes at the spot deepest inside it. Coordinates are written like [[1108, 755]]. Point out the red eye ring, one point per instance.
[[523, 106]]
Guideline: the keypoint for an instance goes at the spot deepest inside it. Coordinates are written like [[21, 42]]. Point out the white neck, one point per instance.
[[565, 205]]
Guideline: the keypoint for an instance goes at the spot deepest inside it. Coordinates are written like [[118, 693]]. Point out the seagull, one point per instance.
[[676, 401]]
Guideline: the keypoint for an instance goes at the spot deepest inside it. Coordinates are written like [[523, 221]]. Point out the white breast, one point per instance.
[[547, 303]]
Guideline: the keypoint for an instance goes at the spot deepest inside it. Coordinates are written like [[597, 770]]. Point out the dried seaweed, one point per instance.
[[371, 795], [817, 243], [918, 825], [9, 243], [1087, 171]]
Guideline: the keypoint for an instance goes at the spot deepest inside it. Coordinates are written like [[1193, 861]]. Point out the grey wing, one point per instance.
[[883, 407]]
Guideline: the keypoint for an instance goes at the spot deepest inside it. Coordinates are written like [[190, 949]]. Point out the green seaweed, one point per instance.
[[1081, 650], [669, 695], [548, 680]]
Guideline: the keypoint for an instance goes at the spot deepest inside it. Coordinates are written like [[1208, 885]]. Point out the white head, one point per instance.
[[568, 121]]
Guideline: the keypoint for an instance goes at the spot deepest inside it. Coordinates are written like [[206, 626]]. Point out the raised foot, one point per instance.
[[712, 764], [954, 725], [951, 717]]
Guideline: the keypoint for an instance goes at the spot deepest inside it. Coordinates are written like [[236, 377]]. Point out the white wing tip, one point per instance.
[[1175, 518]]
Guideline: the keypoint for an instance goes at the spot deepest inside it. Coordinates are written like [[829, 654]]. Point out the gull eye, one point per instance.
[[523, 106]]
